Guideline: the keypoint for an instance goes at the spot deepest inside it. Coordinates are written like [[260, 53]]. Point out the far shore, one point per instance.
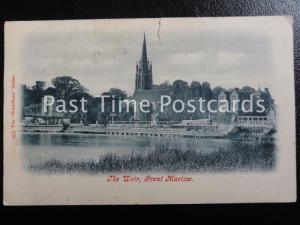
[[150, 134]]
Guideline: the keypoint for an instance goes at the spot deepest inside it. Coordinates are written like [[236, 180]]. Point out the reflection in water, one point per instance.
[[47, 146]]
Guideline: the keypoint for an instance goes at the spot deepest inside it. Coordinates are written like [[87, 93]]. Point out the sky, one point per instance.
[[102, 54]]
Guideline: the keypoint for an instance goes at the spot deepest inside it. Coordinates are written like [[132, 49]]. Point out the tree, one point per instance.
[[266, 96], [39, 85], [217, 90], [118, 93], [247, 89], [206, 91], [50, 91], [27, 95], [195, 89], [94, 110], [38, 91], [165, 85], [67, 86], [180, 89]]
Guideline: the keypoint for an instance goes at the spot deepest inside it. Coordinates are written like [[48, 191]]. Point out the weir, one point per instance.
[[174, 129]]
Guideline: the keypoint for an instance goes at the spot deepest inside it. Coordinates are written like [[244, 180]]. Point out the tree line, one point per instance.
[[67, 88]]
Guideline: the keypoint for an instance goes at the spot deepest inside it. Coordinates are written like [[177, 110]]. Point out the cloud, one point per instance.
[[187, 58], [230, 59], [104, 57]]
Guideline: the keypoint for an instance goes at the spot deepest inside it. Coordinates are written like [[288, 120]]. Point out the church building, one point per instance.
[[144, 88]]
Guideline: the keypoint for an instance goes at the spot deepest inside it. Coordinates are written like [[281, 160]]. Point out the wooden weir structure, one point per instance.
[[248, 129]]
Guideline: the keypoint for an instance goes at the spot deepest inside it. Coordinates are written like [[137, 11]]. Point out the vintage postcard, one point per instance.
[[149, 111]]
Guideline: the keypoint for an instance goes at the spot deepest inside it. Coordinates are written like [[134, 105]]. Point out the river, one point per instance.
[[38, 147], [63, 152]]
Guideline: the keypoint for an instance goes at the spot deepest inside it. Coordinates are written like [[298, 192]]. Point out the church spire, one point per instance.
[[144, 50], [143, 70]]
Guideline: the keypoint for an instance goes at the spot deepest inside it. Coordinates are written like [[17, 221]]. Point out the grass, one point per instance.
[[171, 158]]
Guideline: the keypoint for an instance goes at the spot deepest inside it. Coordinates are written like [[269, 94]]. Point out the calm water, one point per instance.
[[39, 147]]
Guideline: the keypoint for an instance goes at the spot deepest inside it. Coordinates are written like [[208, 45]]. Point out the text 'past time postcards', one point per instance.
[[149, 111]]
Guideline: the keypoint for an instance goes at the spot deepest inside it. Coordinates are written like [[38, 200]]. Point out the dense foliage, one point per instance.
[[67, 88]]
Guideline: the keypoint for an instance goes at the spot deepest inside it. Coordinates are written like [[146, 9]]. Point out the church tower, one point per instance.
[[143, 78]]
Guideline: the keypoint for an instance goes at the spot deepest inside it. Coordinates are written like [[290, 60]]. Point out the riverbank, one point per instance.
[[168, 158], [205, 133]]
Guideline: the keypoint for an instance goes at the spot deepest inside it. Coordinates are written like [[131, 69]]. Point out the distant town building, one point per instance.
[[35, 113], [235, 97]]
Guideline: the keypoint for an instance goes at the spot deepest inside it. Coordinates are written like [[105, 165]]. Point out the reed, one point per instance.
[[168, 157]]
